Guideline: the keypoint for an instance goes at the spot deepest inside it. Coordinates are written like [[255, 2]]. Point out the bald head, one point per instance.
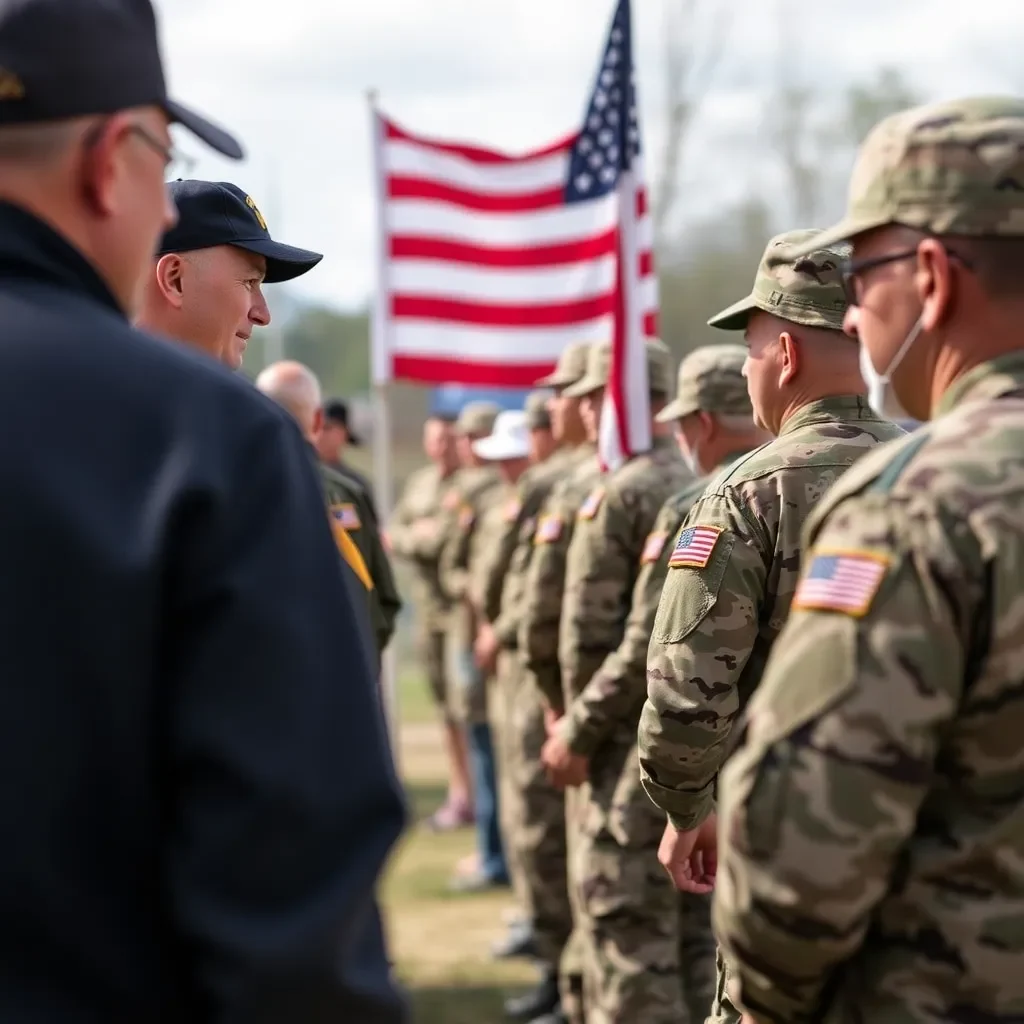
[[295, 387]]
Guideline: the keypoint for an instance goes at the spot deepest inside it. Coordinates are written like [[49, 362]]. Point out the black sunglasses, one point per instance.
[[851, 269]]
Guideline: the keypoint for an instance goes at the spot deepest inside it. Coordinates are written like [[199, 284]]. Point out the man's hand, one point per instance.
[[551, 720], [691, 858], [564, 768], [385, 539], [425, 529], [485, 650]]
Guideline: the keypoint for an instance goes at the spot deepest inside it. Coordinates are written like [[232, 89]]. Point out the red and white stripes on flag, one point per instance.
[[492, 263], [487, 272]]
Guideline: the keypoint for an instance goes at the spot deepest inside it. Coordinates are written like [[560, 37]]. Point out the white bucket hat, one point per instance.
[[509, 439]]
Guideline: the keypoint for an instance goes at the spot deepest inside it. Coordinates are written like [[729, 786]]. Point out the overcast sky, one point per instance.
[[289, 76]]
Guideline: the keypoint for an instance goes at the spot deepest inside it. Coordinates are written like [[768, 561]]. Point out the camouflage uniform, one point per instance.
[[710, 380], [872, 829], [416, 534], [474, 491], [734, 566], [350, 508], [630, 936]]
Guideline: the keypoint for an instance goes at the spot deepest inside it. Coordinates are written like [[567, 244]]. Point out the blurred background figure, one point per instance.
[[336, 436], [538, 421]]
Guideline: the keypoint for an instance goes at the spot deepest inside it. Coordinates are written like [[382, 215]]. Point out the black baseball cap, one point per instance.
[[218, 213], [336, 409], [69, 58]]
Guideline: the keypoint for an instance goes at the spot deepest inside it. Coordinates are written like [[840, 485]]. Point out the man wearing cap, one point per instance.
[[734, 565], [335, 437], [714, 427], [544, 848], [207, 280], [297, 389], [173, 732], [872, 844], [473, 491], [627, 975], [543, 443], [415, 533]]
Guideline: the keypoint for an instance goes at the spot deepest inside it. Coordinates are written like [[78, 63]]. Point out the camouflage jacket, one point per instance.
[[544, 581], [416, 532], [602, 662], [731, 577], [463, 510], [873, 830]]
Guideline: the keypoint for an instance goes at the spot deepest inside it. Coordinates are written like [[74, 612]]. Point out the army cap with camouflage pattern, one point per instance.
[[803, 289], [953, 168], [536, 409], [572, 364], [477, 418], [711, 380], [659, 369]]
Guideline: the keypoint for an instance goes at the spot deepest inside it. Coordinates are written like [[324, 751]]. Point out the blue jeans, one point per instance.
[[488, 835]]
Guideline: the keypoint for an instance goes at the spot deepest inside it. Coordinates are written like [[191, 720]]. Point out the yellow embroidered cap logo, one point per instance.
[[11, 86], [255, 209]]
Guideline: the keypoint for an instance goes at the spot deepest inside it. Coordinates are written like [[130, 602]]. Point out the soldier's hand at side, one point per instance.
[[485, 650], [385, 539], [564, 768], [551, 720], [691, 858], [425, 529]]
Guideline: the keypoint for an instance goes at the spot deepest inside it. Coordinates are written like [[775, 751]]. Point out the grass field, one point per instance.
[[440, 940]]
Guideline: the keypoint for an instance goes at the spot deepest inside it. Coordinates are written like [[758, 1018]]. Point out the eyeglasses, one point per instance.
[[852, 269], [176, 163]]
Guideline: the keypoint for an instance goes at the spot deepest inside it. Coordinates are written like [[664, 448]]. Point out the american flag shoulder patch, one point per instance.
[[841, 581], [694, 546], [591, 504], [346, 515], [549, 529], [653, 546]]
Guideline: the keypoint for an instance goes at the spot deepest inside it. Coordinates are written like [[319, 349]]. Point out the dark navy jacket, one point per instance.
[[196, 791]]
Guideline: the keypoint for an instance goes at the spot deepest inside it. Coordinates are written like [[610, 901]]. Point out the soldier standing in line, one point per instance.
[[871, 825], [544, 840], [416, 533], [734, 566], [630, 937], [473, 491], [714, 426]]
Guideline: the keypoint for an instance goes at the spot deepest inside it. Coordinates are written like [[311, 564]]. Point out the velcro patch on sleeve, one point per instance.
[[841, 581], [694, 546], [653, 546], [347, 515], [591, 504], [549, 529]]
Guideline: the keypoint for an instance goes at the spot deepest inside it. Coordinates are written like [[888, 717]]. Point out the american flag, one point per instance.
[[694, 547], [841, 583], [492, 263]]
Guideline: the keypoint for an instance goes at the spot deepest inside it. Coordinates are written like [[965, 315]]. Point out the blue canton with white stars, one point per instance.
[[610, 141]]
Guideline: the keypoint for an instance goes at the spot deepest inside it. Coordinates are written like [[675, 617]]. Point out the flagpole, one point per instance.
[[380, 369]]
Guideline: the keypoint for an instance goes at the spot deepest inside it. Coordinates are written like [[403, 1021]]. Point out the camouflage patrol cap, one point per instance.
[[659, 369], [945, 168], [477, 418], [536, 409], [572, 364], [711, 380], [804, 289]]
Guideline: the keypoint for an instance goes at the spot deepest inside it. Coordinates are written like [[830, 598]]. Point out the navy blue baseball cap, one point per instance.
[[61, 59], [214, 213]]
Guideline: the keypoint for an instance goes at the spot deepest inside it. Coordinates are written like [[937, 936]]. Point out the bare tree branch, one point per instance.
[[693, 51]]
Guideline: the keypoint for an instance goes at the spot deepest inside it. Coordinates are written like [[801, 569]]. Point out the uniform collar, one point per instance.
[[988, 380], [729, 460], [30, 248], [825, 410]]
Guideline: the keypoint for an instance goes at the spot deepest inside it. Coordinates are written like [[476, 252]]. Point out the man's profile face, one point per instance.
[[332, 440], [223, 300]]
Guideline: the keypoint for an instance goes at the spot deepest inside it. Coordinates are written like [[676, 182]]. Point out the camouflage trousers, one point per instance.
[[500, 711], [649, 950], [723, 1010], [538, 837], [572, 962]]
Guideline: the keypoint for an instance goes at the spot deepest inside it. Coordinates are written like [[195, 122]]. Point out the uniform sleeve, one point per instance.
[[453, 564], [399, 527], [383, 584], [601, 569], [406, 541], [617, 690], [542, 601], [274, 709], [818, 802], [498, 562], [704, 631]]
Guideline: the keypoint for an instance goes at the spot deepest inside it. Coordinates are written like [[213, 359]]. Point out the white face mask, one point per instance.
[[690, 457], [881, 396]]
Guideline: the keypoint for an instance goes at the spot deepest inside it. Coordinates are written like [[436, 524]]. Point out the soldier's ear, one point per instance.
[[789, 362], [169, 270], [934, 282]]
